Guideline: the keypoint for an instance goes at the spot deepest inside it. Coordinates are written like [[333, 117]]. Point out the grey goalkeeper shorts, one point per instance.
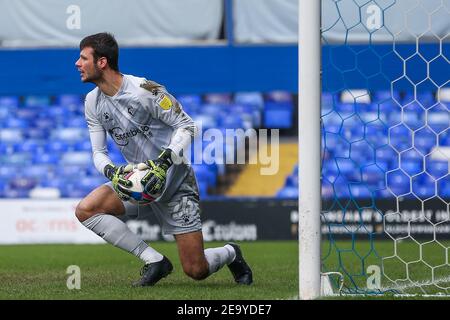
[[181, 214]]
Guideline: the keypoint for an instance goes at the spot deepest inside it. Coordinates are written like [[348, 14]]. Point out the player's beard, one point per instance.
[[95, 76]]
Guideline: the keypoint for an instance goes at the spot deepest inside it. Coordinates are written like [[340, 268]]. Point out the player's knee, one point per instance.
[[196, 272], [84, 211]]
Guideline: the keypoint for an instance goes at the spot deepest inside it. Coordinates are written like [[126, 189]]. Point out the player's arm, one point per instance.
[[101, 159]]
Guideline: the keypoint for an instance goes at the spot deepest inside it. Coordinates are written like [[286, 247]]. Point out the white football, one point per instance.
[[138, 195]]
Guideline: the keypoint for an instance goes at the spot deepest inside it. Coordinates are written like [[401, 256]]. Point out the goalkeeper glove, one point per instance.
[[116, 175], [155, 180]]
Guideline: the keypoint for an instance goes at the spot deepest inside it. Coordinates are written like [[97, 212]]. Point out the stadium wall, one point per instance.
[[40, 221], [221, 68]]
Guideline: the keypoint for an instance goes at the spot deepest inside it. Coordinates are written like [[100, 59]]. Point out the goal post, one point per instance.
[[309, 46], [374, 147]]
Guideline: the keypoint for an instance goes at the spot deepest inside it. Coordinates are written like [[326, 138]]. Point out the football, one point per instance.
[[138, 195]]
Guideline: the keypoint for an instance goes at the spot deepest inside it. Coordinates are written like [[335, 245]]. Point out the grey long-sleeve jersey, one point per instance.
[[142, 118]]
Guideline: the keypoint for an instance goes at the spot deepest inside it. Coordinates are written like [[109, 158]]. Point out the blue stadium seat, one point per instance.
[[84, 145], [250, 99], [203, 173], [46, 158], [232, 122], [6, 149], [39, 171], [345, 110], [10, 193], [11, 135], [218, 98], [398, 182], [292, 180], [27, 113], [2, 188], [116, 157], [30, 146], [205, 121], [19, 159], [412, 167], [76, 158], [423, 186], [373, 174], [36, 101], [437, 168], [37, 133], [443, 187], [288, 193], [359, 191], [386, 95], [44, 123], [400, 137], [279, 96], [425, 140], [327, 190], [75, 122], [70, 134], [71, 171], [192, 101], [57, 146], [17, 123], [70, 101], [341, 188], [9, 101], [87, 184], [438, 118], [8, 171], [23, 183], [278, 115]]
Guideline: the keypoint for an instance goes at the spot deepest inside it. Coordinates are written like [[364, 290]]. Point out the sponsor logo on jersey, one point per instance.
[[164, 102], [122, 137]]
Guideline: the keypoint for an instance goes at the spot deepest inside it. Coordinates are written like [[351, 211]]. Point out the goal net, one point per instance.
[[385, 116]]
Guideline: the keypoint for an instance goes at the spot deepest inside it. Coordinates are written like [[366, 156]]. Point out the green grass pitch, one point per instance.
[[39, 272]]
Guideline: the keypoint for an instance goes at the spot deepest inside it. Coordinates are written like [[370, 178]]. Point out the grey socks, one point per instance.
[[117, 233]]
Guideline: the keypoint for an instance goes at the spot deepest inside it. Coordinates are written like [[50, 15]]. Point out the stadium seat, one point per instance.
[[278, 115], [218, 98], [46, 158], [70, 134], [380, 96], [71, 101], [36, 101], [279, 96], [76, 158], [359, 191], [423, 186], [250, 99], [398, 182], [288, 193], [11, 135], [57, 146], [412, 167], [437, 169], [44, 123], [9, 102], [355, 96]]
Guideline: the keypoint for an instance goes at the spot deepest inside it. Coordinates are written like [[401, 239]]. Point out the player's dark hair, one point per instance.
[[104, 45]]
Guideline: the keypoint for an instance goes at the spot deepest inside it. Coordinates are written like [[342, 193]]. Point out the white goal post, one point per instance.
[[309, 147]]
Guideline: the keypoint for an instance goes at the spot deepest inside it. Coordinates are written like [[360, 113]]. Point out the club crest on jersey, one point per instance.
[[164, 102]]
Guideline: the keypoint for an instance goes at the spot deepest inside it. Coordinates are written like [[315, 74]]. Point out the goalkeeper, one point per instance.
[[151, 129]]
